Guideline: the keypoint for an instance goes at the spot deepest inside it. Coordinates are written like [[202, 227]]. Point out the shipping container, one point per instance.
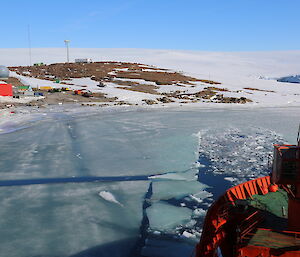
[[6, 90], [45, 88], [23, 88]]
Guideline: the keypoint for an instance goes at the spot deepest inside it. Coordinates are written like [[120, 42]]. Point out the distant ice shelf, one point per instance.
[[290, 79]]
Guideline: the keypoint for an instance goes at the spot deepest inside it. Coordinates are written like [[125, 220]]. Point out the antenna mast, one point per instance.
[[67, 46]]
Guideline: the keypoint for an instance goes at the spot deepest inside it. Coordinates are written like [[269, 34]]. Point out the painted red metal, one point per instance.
[[218, 232], [214, 229], [6, 90], [273, 188], [293, 214], [286, 171], [78, 92], [259, 251], [232, 229], [286, 165]]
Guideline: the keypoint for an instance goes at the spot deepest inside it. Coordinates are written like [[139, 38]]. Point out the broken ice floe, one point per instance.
[[242, 154], [230, 179], [200, 196], [165, 190], [175, 205], [108, 196], [166, 217], [198, 213]]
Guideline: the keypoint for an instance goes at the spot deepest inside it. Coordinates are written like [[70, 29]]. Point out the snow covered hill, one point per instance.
[[244, 74]]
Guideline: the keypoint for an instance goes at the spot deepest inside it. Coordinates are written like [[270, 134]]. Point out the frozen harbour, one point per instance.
[[183, 159]]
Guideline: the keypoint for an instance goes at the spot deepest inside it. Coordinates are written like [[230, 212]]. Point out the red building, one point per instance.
[[6, 90]]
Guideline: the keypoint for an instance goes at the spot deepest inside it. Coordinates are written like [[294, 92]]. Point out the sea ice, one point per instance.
[[148, 147], [231, 179], [188, 234], [166, 217], [167, 248], [199, 196], [164, 190], [234, 152], [187, 175], [198, 213], [108, 196], [71, 219]]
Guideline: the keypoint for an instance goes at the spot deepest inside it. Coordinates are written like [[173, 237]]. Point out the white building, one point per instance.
[[84, 60]]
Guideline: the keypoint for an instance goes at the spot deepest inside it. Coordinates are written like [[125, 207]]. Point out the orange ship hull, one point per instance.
[[232, 228]]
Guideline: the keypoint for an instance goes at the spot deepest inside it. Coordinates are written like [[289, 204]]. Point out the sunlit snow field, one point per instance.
[[163, 169]]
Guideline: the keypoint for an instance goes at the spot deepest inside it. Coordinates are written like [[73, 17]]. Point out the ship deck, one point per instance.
[[273, 239], [272, 231], [249, 220]]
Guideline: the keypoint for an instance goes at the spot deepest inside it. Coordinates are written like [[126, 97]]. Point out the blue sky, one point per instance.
[[214, 25]]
